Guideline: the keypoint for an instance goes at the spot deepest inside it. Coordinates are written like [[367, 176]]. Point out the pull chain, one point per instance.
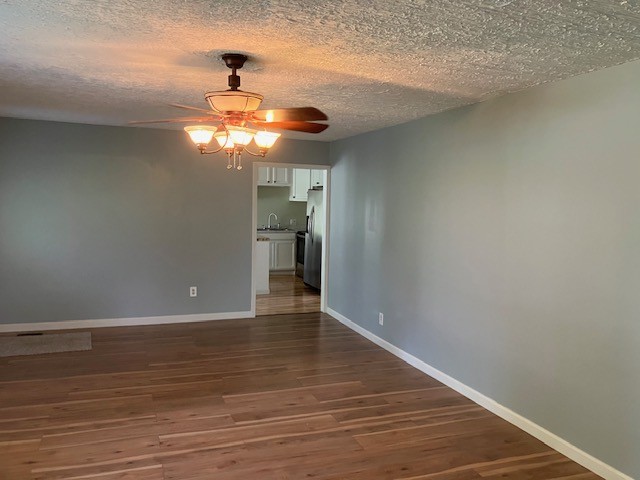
[[237, 160]]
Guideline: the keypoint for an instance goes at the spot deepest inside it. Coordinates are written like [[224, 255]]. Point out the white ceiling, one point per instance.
[[366, 63]]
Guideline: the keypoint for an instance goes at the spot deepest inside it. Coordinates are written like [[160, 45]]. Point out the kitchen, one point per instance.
[[290, 231]]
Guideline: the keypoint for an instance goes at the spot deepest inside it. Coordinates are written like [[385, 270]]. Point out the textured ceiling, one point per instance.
[[366, 63]]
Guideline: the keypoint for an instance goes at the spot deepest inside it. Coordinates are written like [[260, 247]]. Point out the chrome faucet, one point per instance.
[[269, 220]]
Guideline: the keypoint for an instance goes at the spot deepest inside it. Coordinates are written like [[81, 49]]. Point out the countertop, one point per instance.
[[275, 230]]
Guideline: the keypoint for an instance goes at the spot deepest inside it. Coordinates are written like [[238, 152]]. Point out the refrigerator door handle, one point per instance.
[[312, 220]]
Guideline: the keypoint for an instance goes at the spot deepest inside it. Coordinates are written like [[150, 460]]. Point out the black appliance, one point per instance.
[[300, 239]]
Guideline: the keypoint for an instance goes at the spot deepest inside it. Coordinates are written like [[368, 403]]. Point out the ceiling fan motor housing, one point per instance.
[[233, 101]]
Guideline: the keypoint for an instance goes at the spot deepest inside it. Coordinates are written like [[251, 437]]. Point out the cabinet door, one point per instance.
[[317, 178], [285, 254], [300, 185], [264, 176], [280, 176]]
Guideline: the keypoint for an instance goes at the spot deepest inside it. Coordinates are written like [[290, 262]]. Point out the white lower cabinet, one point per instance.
[[282, 252]]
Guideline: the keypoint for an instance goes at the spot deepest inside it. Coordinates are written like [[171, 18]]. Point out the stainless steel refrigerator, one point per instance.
[[313, 238]]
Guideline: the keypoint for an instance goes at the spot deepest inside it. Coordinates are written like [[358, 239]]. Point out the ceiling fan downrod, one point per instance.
[[234, 61]]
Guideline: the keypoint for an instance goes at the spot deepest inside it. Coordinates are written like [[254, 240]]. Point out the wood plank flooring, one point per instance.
[[288, 294], [277, 397]]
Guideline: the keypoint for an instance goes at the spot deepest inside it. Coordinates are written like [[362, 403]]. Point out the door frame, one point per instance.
[[324, 276]]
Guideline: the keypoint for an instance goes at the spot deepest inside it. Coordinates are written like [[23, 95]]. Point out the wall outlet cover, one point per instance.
[[381, 318], [193, 291]]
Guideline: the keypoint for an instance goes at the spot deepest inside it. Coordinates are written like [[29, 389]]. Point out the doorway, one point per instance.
[[290, 229]]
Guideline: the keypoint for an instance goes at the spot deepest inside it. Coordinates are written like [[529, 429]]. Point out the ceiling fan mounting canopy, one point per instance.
[[234, 60]]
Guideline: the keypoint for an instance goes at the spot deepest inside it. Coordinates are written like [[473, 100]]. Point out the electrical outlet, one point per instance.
[[381, 318], [193, 291], [293, 222]]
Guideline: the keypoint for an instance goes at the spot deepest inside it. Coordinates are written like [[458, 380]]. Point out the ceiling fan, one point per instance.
[[232, 110]]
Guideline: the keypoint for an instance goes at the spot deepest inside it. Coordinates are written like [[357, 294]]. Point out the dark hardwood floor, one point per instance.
[[288, 294], [277, 397]]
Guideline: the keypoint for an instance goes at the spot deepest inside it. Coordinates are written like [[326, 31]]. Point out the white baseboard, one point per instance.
[[122, 322], [554, 441]]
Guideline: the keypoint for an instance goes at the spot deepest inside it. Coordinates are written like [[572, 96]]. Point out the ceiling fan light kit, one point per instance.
[[201, 135], [265, 140], [233, 109]]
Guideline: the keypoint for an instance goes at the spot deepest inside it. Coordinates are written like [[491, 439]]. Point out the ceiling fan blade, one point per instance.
[[308, 127], [197, 109], [175, 120], [289, 115]]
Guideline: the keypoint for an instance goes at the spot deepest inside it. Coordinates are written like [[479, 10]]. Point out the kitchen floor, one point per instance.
[[288, 294]]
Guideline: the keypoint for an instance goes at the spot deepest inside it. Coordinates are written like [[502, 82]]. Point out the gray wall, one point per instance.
[[502, 242], [276, 200], [102, 222]]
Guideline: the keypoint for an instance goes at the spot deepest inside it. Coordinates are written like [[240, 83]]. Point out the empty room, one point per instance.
[[351, 240]]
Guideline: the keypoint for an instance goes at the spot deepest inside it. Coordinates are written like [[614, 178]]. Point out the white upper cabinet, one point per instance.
[[274, 176], [264, 175], [317, 178], [304, 179], [281, 176], [300, 184]]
